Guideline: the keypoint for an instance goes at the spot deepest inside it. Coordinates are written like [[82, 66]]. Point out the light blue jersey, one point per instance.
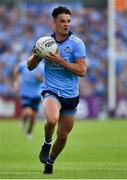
[[30, 85], [57, 78]]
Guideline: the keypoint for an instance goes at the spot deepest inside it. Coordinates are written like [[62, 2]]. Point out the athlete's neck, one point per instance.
[[60, 37]]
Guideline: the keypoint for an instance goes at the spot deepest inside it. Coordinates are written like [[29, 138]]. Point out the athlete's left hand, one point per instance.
[[53, 57]]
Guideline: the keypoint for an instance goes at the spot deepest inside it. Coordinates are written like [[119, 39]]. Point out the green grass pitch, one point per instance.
[[95, 150]]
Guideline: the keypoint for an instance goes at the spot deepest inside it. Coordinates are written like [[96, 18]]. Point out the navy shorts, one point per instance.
[[31, 102], [68, 105]]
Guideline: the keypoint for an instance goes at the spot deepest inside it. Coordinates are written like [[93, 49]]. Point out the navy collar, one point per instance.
[[54, 36]]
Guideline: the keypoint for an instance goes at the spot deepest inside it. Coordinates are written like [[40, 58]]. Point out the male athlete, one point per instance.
[[60, 87], [30, 88]]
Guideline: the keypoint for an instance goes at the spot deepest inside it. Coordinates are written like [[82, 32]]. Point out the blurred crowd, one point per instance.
[[21, 26]]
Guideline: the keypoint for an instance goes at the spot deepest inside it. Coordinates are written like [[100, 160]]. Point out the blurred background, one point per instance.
[[102, 25]]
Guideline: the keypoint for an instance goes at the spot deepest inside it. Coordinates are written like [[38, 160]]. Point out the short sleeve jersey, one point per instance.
[[57, 78], [30, 85]]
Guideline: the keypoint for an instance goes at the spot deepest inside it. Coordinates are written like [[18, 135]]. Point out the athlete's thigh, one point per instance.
[[65, 124], [51, 107]]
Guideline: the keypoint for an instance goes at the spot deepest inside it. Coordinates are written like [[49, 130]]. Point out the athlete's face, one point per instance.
[[62, 24]]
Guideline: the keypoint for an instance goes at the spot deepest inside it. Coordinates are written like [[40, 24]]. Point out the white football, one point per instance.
[[45, 45]]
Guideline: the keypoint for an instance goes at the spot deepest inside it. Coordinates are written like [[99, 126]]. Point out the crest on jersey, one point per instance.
[[67, 49]]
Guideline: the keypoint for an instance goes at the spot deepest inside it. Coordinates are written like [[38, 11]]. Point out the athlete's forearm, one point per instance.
[[33, 61], [79, 68]]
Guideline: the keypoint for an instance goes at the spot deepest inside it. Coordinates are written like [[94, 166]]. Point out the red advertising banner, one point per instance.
[[88, 107], [9, 107]]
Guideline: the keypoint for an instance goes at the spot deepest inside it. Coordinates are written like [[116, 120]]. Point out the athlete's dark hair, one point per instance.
[[60, 10]]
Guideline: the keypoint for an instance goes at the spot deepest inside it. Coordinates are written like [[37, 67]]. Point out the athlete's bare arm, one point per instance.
[[79, 67], [33, 61]]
